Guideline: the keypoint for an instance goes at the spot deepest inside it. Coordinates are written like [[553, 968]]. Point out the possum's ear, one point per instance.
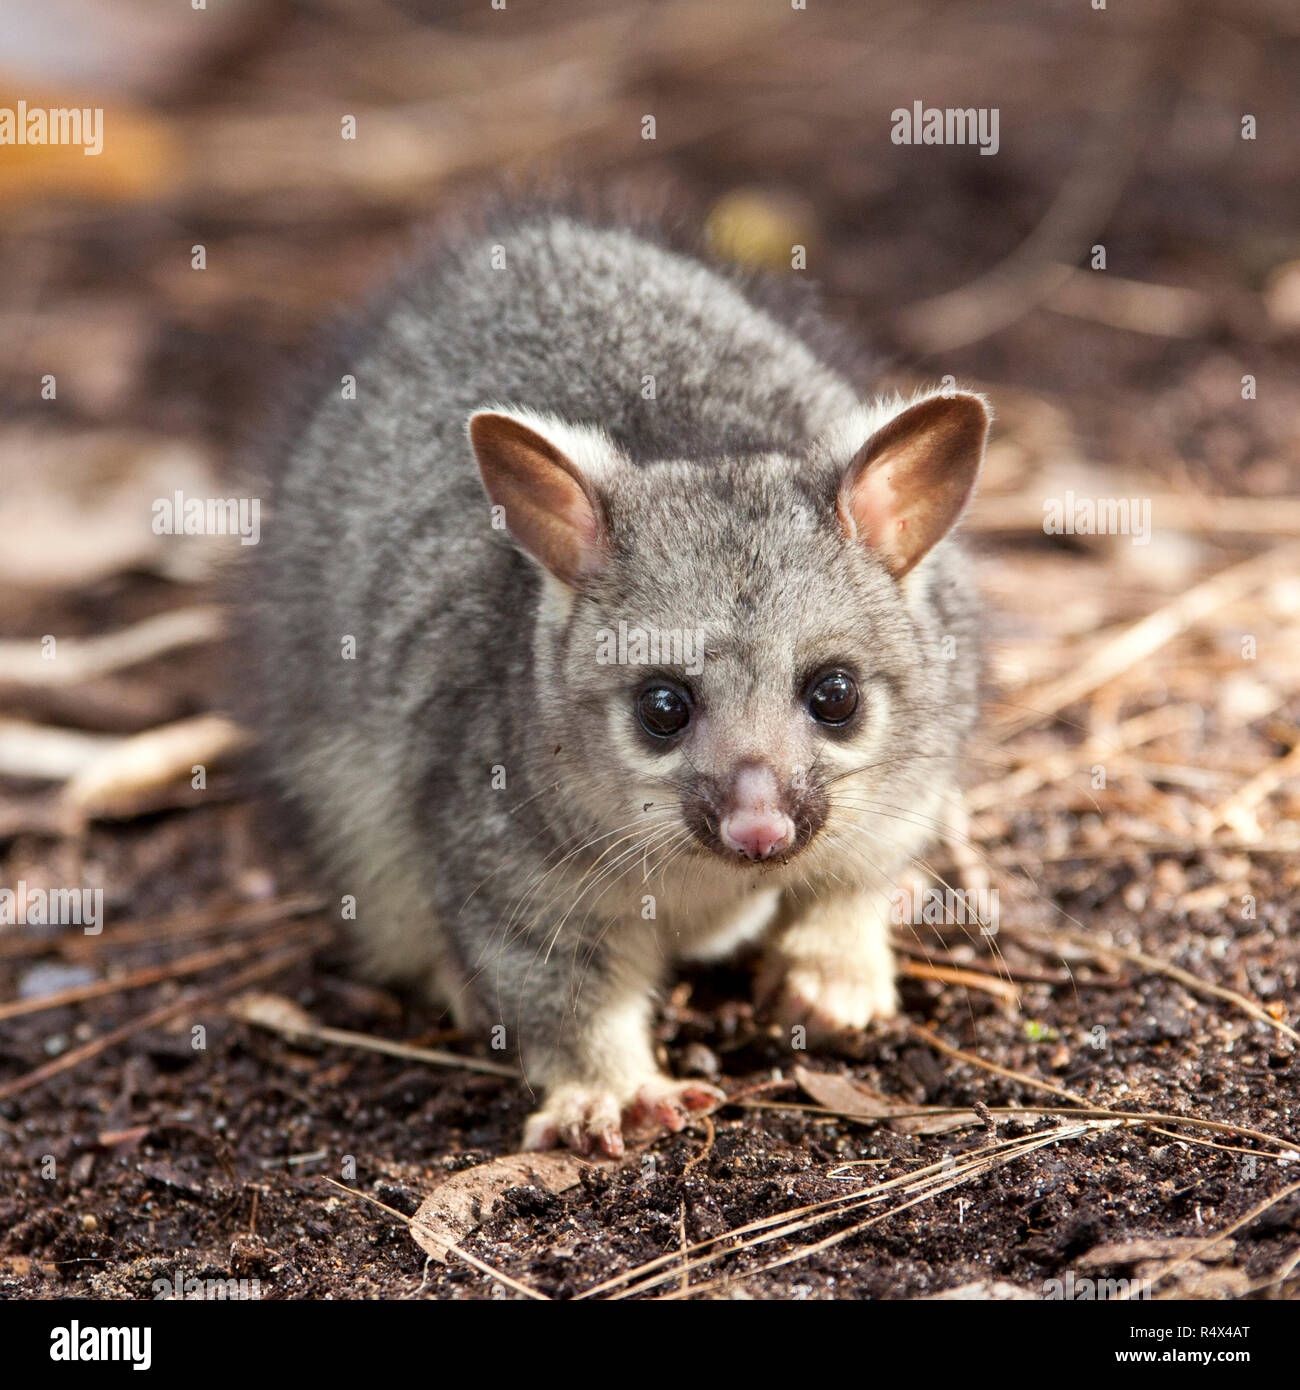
[[540, 472], [908, 484]]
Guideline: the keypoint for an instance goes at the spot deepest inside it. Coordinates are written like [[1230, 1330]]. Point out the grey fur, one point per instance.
[[468, 658]]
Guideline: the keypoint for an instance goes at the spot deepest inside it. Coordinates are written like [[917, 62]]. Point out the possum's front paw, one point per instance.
[[829, 997], [596, 1119], [831, 969]]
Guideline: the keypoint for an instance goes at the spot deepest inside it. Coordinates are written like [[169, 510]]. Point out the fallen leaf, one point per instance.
[[984, 1291], [1126, 1252], [273, 1011], [167, 1174], [465, 1200], [859, 1102], [1195, 1282]]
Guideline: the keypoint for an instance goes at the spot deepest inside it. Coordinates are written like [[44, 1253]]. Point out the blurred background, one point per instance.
[[1120, 125], [152, 294]]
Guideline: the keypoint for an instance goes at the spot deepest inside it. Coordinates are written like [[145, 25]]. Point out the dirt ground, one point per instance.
[[1135, 787]]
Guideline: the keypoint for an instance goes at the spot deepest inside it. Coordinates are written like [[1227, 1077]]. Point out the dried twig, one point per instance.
[[260, 971], [1167, 311], [115, 783], [163, 930], [956, 975], [294, 1023], [1145, 1118], [710, 1132], [1023, 1078], [46, 754], [1007, 972], [921, 1186], [1159, 967], [153, 974], [1052, 767], [1145, 637], [1237, 812], [81, 658]]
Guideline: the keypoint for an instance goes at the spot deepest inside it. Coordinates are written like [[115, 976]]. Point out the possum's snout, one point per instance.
[[755, 815], [755, 825], [758, 834]]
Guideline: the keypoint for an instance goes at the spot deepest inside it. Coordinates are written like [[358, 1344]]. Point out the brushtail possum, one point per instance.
[[602, 624]]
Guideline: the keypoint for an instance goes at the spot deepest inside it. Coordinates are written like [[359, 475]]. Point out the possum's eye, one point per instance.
[[833, 698], [663, 711]]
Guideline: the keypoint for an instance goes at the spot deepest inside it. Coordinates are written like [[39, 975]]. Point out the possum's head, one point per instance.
[[748, 658]]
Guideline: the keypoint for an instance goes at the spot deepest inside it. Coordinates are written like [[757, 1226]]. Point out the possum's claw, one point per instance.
[[594, 1119], [663, 1104]]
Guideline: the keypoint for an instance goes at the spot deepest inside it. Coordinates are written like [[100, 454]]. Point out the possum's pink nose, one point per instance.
[[755, 826], [757, 836]]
